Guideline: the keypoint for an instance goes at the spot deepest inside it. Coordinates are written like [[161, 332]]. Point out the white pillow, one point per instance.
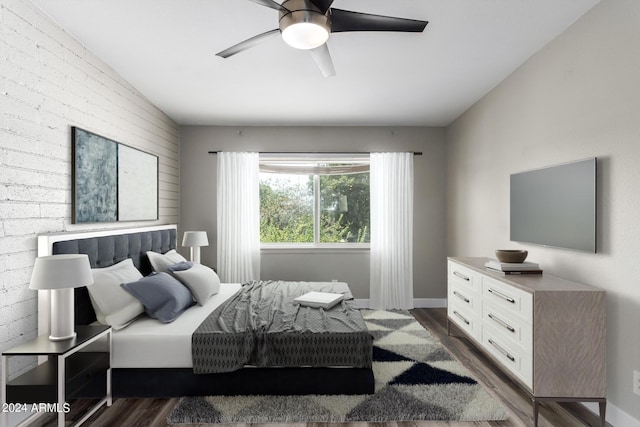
[[160, 262], [202, 281], [113, 305]]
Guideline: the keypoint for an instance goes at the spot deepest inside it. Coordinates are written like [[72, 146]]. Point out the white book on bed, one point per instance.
[[324, 300]]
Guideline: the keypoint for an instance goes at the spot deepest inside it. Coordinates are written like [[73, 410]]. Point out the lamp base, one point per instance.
[[195, 254], [62, 315], [68, 337]]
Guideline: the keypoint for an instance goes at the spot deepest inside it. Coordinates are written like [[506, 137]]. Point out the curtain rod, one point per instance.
[[415, 153]]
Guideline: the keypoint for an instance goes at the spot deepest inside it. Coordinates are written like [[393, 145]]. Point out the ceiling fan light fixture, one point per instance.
[[302, 25], [305, 35]]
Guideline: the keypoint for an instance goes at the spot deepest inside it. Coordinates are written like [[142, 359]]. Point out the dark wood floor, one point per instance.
[[153, 412]]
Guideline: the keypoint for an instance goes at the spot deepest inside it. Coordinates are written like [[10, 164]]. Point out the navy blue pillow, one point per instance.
[[163, 297], [181, 266]]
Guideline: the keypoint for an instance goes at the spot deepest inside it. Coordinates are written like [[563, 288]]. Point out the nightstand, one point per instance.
[[68, 373]]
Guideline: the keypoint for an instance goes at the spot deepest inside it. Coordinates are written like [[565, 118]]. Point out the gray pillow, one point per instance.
[[201, 280], [163, 297], [160, 262], [181, 266]]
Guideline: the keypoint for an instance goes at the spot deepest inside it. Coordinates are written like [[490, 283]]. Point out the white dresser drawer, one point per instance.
[[466, 320], [464, 277], [465, 298], [510, 356], [516, 330], [504, 296]]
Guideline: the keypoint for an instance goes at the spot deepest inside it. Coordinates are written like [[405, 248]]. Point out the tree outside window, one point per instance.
[[327, 207]]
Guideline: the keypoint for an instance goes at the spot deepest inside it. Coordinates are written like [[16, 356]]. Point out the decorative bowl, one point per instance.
[[511, 255]]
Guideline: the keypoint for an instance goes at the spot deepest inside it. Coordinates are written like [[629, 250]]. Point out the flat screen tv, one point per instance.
[[555, 206]]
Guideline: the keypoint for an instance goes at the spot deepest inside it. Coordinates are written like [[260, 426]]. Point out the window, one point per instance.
[[314, 201], [286, 208]]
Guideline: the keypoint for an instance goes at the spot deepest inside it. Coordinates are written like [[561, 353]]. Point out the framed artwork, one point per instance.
[[137, 185], [112, 181], [95, 177]]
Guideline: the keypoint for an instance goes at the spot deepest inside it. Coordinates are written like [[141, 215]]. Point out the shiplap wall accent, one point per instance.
[[48, 83]]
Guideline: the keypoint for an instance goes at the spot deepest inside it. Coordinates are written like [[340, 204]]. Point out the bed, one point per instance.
[[162, 366]]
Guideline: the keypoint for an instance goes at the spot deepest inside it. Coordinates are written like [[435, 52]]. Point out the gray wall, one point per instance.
[[576, 98], [198, 197]]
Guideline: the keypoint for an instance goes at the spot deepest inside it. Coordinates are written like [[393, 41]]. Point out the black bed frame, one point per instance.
[[104, 251]]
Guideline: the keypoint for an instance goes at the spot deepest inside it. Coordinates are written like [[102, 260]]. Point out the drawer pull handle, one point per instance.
[[461, 317], [502, 350], [501, 322], [462, 276], [462, 297], [503, 296]]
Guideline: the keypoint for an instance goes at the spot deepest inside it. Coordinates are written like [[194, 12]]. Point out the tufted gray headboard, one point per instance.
[[108, 248]]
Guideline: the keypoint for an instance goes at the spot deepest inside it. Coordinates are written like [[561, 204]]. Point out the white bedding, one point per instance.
[[148, 343]]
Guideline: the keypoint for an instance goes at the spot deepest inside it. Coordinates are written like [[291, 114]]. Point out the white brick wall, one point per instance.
[[48, 83]]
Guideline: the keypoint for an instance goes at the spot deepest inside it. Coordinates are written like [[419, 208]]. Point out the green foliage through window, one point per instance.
[[287, 208], [344, 206]]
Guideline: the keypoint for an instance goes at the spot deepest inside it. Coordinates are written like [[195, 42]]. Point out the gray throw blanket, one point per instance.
[[262, 326]]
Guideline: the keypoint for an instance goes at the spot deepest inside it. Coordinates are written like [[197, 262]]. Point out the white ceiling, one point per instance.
[[166, 49]]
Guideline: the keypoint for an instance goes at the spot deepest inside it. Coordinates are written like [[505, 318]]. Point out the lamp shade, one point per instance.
[[61, 272], [195, 239]]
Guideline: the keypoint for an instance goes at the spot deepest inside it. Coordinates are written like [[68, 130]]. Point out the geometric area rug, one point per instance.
[[416, 378]]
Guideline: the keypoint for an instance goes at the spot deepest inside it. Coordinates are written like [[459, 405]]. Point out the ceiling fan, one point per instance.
[[306, 25]]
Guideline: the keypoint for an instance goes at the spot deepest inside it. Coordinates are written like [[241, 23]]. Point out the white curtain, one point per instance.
[[391, 275], [238, 210]]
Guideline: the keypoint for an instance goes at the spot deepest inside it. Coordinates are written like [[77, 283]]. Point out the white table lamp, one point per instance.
[[60, 274], [194, 240]]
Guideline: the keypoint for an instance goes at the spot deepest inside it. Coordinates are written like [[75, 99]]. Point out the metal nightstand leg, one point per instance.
[[109, 394], [4, 421], [61, 390], [107, 400]]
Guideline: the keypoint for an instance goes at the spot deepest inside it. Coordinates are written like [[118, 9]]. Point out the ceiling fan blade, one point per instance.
[[247, 44], [323, 59], [270, 3], [346, 20], [323, 5]]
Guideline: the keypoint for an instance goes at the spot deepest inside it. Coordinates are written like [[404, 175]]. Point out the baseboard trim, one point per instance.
[[417, 302], [615, 416], [430, 303]]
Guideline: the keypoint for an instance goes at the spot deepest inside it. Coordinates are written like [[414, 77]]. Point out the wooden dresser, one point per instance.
[[549, 334]]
